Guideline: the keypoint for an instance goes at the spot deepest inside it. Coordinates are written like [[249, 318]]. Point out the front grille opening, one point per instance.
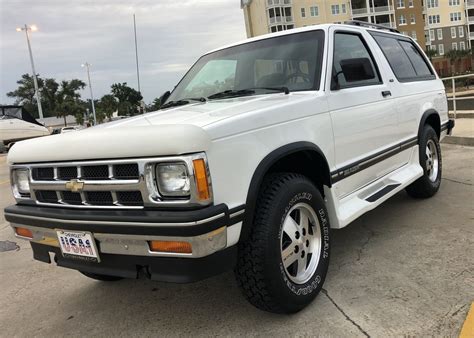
[[130, 198], [126, 171], [95, 172], [67, 173], [71, 197], [46, 196], [99, 198], [43, 174]]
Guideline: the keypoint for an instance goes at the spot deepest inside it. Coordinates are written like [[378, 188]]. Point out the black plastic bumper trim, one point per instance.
[[165, 269], [141, 222]]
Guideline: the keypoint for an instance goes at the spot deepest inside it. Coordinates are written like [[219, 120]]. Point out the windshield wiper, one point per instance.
[[182, 102], [244, 92]]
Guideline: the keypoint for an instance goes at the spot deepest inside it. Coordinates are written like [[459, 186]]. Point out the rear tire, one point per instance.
[[431, 162], [103, 278], [283, 264]]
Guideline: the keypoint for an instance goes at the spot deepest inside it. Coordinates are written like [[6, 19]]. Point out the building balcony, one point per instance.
[[387, 24], [469, 4], [272, 3], [281, 19], [378, 10], [470, 19], [471, 36]]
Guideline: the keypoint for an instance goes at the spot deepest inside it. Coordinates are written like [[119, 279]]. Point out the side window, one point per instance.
[[404, 58], [353, 65]]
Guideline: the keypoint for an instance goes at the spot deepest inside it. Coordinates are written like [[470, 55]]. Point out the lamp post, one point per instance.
[[27, 29], [87, 65]]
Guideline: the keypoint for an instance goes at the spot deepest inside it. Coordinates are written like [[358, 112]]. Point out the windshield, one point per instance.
[[290, 61]]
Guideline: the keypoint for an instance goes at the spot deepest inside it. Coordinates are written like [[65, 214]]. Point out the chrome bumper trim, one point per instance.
[[137, 245]]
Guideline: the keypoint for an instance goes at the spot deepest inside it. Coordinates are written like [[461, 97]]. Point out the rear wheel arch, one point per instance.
[[432, 118], [288, 158]]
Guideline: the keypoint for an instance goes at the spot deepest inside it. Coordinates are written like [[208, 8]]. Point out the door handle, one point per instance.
[[386, 93]]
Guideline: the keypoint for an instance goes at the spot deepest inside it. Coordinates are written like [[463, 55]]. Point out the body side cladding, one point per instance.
[[266, 165]]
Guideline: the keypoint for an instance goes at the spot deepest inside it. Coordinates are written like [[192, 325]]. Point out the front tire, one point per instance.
[[283, 264], [431, 162]]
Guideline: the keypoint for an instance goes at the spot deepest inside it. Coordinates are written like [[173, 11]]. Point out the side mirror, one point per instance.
[[164, 97], [358, 69]]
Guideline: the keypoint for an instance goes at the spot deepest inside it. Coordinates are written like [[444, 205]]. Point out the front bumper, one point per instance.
[[122, 239]]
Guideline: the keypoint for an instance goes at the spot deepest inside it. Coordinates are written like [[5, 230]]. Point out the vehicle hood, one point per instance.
[[171, 131]]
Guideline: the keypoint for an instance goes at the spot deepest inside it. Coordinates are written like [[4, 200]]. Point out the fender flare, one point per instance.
[[425, 117], [262, 169]]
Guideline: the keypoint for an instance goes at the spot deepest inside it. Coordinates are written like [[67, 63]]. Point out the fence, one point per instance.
[[453, 86]]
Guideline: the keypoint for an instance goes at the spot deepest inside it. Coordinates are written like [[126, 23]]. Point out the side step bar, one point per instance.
[[382, 192]]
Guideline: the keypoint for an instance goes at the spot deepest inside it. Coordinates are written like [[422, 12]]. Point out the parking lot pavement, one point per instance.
[[406, 268]]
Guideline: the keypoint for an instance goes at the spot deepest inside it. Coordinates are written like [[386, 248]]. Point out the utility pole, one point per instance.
[[27, 29], [87, 65], [136, 58]]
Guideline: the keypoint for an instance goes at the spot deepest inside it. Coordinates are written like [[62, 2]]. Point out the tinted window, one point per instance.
[[419, 63], [404, 58], [352, 56]]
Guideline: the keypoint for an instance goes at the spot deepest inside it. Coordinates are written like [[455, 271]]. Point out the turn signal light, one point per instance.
[[202, 183], [23, 232], [170, 246]]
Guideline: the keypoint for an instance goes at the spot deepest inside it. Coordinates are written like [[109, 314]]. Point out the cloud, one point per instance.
[[172, 34]]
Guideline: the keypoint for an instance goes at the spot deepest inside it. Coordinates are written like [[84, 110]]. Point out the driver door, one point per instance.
[[362, 110]]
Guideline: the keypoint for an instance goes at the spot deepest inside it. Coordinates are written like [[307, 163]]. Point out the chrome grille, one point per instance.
[[108, 184]]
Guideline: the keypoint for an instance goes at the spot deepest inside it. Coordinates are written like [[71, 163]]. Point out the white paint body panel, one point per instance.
[[237, 134]]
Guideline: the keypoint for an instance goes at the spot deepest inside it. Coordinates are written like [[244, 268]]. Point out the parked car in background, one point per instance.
[[262, 149]]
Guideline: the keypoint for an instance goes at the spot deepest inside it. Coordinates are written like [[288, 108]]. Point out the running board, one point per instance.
[[381, 193]]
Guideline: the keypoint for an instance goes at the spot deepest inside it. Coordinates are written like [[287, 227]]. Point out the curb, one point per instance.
[[459, 140]]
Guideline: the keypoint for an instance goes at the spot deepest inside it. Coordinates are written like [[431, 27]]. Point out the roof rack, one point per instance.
[[370, 25]]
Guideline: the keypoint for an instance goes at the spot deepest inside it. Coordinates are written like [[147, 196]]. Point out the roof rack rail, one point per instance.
[[370, 25]]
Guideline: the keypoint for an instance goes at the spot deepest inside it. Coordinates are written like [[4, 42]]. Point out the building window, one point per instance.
[[410, 3], [433, 47], [455, 16], [432, 35], [433, 19], [413, 19], [413, 35], [335, 9], [303, 12], [439, 31], [454, 2], [462, 45], [441, 49], [400, 3], [343, 8], [314, 10], [454, 46], [453, 32], [432, 3], [402, 20], [461, 31]]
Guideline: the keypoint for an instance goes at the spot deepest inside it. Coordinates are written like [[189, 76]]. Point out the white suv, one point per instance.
[[298, 131]]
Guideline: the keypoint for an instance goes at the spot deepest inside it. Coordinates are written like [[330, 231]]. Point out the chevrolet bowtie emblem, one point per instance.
[[75, 185]]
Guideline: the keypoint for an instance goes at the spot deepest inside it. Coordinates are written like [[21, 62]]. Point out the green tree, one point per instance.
[[155, 105], [431, 53], [128, 99], [106, 106], [68, 99], [455, 56]]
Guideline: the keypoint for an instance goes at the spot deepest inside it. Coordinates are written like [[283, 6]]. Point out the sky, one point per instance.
[[171, 34]]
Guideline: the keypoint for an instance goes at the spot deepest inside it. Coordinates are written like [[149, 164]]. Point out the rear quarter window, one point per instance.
[[405, 59]]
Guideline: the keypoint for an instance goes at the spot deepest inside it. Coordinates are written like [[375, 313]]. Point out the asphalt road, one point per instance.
[[406, 268]]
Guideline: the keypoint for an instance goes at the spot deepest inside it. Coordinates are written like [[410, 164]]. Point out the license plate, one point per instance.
[[78, 245]]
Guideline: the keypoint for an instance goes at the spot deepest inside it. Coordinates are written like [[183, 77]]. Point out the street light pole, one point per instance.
[[87, 66], [35, 80]]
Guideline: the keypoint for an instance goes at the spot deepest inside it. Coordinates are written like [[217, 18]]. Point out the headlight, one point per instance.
[[173, 179], [21, 182]]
